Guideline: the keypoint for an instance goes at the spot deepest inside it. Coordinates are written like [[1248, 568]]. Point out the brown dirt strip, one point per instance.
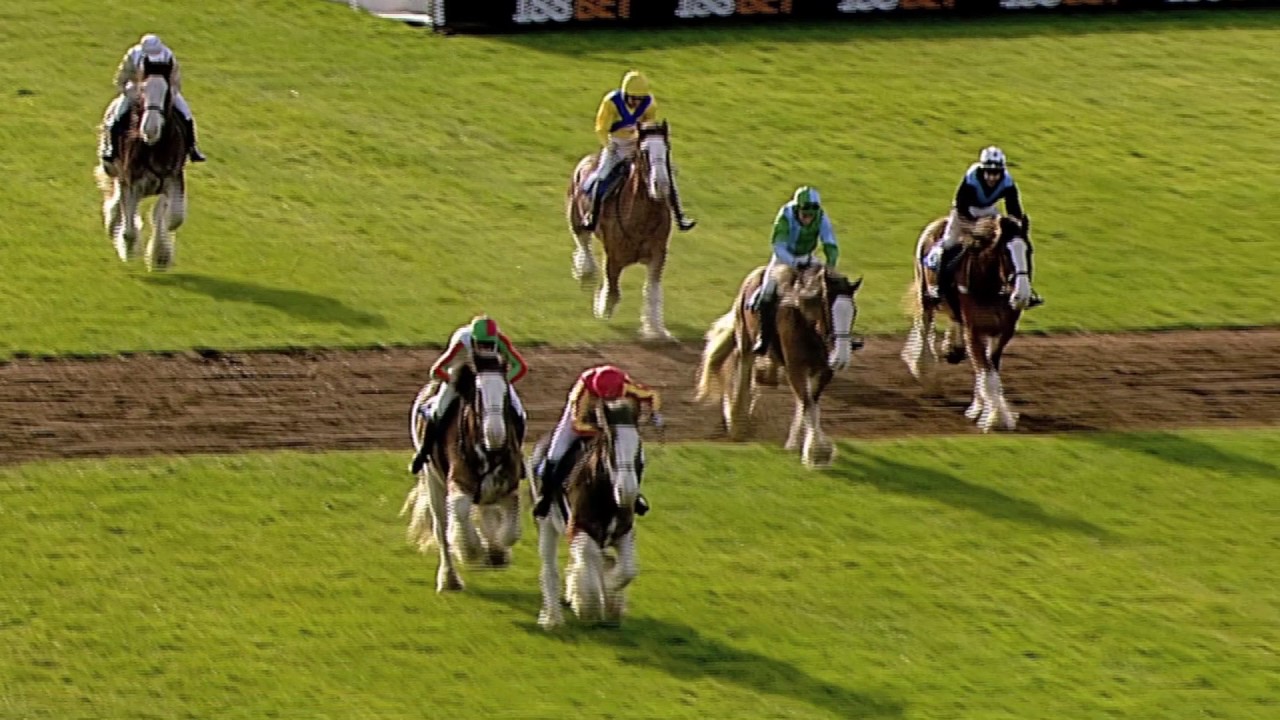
[[329, 400]]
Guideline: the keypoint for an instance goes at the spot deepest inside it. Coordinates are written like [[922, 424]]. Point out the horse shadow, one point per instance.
[[300, 304], [684, 653], [905, 479], [1184, 452]]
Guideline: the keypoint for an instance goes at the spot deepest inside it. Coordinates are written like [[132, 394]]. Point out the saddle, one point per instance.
[[611, 183]]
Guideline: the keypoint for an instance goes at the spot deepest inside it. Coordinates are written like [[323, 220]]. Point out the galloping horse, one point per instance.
[[151, 161], [476, 464], [991, 288], [816, 312], [596, 512], [634, 226]]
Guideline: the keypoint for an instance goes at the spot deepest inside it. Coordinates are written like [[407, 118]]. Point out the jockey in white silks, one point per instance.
[[150, 56], [800, 225], [984, 184], [479, 335], [620, 112]]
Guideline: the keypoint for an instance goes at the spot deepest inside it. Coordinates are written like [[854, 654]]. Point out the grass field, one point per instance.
[[1107, 577], [371, 183]]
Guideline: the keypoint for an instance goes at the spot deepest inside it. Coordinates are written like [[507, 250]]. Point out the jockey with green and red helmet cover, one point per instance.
[[480, 335], [149, 56], [983, 186], [798, 228], [577, 422], [618, 117]]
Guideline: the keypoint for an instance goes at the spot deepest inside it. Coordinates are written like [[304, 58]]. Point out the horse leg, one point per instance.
[[129, 226], [113, 219], [981, 409], [818, 450], [586, 584], [954, 340], [1007, 418], [584, 259], [498, 532], [653, 326], [463, 538], [624, 570], [608, 295], [447, 577], [550, 528], [177, 204], [739, 392], [160, 246]]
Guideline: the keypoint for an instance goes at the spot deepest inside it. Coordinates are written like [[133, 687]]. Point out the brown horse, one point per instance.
[[815, 315], [991, 286], [634, 226], [475, 464], [596, 512], [151, 161]]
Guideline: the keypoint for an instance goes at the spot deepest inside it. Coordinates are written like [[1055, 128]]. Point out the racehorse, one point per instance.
[[990, 289], [595, 510], [476, 465], [634, 226], [151, 160], [815, 315]]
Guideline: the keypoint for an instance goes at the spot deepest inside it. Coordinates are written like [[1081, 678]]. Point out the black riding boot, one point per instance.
[[682, 221], [597, 197], [424, 452], [548, 488], [111, 141], [194, 153], [642, 504], [1035, 300], [768, 328]]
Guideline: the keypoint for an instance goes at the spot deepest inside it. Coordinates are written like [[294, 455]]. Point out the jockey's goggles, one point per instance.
[[634, 99], [810, 208]]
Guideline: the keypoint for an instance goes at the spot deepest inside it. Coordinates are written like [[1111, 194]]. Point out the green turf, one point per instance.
[[1107, 576], [373, 183]]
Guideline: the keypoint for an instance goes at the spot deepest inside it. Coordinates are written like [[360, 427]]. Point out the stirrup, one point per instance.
[[1035, 300], [685, 224]]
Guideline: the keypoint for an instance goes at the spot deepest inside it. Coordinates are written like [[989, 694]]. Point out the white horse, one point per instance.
[[596, 510], [150, 161], [466, 499]]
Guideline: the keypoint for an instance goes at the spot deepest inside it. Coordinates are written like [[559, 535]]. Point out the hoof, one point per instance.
[[499, 558], [955, 356]]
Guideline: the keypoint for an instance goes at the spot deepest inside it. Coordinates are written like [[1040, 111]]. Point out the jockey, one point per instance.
[[149, 56], [621, 110], [986, 183], [480, 336], [602, 382], [798, 228]]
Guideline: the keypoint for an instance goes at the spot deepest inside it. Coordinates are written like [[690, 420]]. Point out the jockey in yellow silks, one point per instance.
[[620, 112], [149, 56]]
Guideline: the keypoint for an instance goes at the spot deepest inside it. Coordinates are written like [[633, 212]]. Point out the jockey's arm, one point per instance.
[[582, 403], [966, 198], [175, 77], [1013, 202], [827, 234], [446, 366], [516, 366], [606, 116], [782, 238], [127, 70], [644, 394]]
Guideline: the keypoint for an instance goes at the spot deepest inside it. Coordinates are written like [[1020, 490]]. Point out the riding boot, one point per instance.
[[642, 504], [111, 140], [597, 197], [1035, 300], [194, 153], [684, 222], [548, 488], [424, 452], [768, 328]]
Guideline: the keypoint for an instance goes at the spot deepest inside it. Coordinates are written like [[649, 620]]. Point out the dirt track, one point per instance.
[[333, 399]]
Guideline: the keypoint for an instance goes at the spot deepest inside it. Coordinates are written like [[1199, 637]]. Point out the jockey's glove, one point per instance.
[[656, 420]]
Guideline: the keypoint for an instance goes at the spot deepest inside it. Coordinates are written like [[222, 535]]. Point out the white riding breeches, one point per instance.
[[563, 436], [615, 152]]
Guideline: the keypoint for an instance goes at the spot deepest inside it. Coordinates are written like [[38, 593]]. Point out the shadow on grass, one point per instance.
[[622, 43], [684, 653], [904, 479], [300, 304], [1185, 452]]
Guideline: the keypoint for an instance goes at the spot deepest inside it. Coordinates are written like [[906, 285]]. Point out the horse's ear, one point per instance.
[[853, 288]]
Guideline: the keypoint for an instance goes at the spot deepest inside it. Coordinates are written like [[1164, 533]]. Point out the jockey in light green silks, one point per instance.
[[798, 228], [617, 118], [480, 335], [150, 56]]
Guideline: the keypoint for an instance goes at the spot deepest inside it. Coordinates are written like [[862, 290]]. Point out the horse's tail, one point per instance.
[[914, 294], [103, 180], [720, 344]]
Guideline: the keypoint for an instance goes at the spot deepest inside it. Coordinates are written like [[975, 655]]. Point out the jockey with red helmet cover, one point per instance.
[[480, 335], [595, 384], [149, 56]]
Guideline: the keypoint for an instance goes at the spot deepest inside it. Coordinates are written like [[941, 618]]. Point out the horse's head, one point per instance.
[[825, 299], [490, 399], [154, 90], [655, 146], [621, 448], [1003, 255]]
